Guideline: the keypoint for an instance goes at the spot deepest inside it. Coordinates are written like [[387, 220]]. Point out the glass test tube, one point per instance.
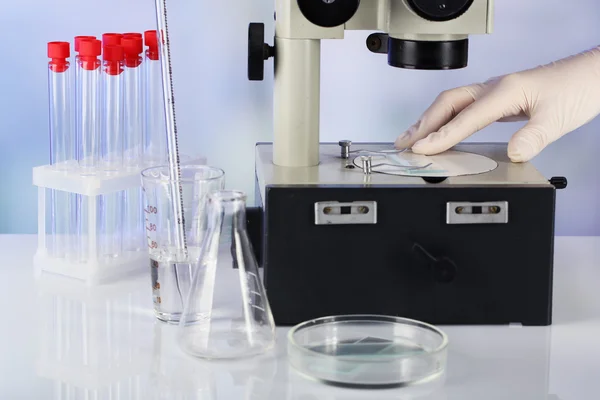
[[77, 41], [133, 46], [62, 146], [88, 137], [79, 252], [112, 116], [88, 102], [133, 117], [112, 148], [156, 136]]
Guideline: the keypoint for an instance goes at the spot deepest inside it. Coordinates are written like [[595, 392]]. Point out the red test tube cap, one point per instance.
[[90, 48], [78, 40], [151, 39], [132, 45], [59, 50], [113, 53], [89, 51], [132, 34], [111, 39]]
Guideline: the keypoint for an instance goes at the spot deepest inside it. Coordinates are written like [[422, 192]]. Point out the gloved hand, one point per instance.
[[556, 99]]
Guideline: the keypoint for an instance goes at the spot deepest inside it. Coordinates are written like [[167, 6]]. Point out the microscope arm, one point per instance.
[[296, 102], [420, 34]]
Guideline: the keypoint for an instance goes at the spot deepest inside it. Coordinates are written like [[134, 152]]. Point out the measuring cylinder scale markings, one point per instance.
[[170, 268], [175, 253], [164, 50]]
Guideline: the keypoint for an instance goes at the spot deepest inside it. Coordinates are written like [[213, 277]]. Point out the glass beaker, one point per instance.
[[170, 265], [227, 314]]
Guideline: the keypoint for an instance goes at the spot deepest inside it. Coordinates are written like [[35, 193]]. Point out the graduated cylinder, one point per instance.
[[296, 102]]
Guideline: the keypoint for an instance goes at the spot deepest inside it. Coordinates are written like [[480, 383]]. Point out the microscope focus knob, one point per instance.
[[442, 269], [258, 51], [559, 182], [328, 13]]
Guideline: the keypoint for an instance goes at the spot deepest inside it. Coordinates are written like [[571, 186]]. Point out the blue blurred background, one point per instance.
[[222, 115]]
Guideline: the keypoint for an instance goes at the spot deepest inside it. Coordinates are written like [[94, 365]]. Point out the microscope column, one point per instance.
[[296, 101]]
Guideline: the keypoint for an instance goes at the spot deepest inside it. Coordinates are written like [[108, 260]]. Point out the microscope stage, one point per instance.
[[334, 170]]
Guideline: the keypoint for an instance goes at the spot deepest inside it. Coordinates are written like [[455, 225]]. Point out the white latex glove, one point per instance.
[[556, 99]]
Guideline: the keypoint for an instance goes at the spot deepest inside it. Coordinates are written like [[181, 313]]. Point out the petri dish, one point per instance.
[[368, 350]]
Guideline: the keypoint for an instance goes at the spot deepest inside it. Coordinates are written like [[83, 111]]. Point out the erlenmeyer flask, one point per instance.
[[227, 314]]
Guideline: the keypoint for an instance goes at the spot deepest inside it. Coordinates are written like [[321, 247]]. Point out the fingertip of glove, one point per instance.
[[402, 141], [407, 137], [516, 158], [422, 146], [520, 150]]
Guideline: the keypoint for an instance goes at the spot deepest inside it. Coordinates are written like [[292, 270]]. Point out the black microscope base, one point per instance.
[[411, 263]]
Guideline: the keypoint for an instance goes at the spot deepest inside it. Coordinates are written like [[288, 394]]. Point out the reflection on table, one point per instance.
[[104, 343]]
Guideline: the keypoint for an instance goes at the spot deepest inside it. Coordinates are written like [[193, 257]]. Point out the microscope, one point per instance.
[[363, 228]]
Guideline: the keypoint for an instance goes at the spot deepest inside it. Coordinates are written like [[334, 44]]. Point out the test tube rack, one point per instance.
[[81, 254], [81, 257], [91, 224]]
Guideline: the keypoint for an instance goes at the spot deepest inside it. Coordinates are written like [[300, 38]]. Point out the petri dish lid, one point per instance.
[[368, 350]]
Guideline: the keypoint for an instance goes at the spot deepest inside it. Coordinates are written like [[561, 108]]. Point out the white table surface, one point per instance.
[[61, 341]]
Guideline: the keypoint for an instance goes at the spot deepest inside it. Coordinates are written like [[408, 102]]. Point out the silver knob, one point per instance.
[[345, 148], [367, 164]]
